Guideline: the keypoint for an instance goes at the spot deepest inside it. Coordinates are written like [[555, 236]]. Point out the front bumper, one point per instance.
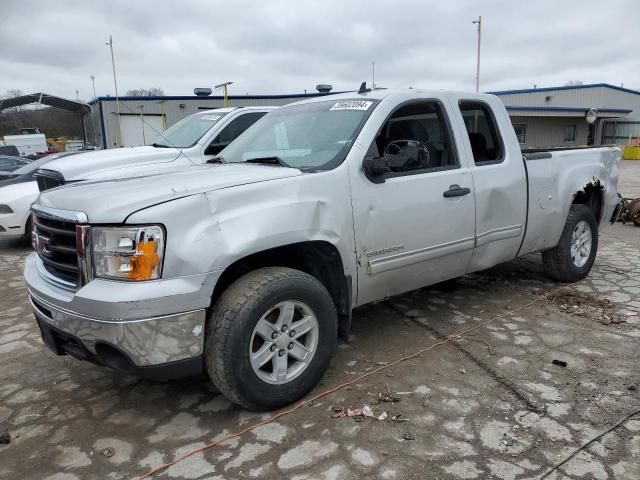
[[11, 225], [123, 325]]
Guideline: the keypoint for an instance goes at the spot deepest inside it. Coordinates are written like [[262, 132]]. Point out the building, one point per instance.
[[143, 118], [556, 116], [542, 117]]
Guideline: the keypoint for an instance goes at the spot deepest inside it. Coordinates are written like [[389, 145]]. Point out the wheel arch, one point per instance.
[[592, 195], [317, 258]]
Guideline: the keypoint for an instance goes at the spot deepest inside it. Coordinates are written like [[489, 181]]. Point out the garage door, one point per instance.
[[135, 132]]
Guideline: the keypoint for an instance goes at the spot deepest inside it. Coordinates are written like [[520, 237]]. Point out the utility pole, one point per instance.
[[373, 75], [115, 84], [224, 87], [93, 83], [479, 23]]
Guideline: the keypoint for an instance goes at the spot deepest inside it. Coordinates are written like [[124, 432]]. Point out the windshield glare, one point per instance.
[[314, 136], [189, 130]]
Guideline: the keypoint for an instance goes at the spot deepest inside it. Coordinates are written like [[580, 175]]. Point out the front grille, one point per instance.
[[48, 179], [55, 243]]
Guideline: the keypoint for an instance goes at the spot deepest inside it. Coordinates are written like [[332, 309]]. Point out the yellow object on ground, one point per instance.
[[631, 153]]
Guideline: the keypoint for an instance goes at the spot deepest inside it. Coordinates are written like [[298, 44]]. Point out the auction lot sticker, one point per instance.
[[352, 105]]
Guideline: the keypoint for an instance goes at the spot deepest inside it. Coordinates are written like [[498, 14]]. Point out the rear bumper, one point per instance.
[[617, 211]]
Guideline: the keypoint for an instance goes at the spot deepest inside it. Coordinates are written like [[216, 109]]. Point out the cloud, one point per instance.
[[289, 46]]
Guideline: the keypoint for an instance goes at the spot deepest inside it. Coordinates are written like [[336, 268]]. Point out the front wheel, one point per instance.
[[571, 260], [270, 337]]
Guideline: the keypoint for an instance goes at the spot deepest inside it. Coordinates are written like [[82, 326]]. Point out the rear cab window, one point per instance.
[[484, 137]]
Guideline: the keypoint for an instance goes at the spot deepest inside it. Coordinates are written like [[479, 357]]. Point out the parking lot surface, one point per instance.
[[492, 404]]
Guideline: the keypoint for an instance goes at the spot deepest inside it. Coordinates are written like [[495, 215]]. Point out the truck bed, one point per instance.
[[553, 175]]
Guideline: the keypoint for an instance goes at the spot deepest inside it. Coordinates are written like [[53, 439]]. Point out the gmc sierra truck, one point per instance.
[[193, 140], [248, 267]]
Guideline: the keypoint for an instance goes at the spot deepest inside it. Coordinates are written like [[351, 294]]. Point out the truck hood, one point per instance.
[[112, 201], [91, 164]]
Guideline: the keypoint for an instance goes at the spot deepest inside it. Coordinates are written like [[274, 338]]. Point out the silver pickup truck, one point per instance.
[[249, 267], [193, 140]]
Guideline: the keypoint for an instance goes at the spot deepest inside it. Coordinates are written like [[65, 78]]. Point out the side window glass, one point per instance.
[[483, 132], [236, 127], [415, 138]]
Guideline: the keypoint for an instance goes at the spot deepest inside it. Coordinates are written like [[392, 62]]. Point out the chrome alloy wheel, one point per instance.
[[581, 242], [283, 342]]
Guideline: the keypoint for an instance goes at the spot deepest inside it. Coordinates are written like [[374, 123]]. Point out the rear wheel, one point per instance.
[[270, 337], [573, 257]]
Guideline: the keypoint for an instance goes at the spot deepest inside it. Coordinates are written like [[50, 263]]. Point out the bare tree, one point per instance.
[[145, 92], [13, 93]]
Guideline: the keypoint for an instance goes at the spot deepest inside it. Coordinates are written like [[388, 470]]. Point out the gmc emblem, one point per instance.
[[40, 244]]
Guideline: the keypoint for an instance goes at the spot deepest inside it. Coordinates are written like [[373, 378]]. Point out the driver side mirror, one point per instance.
[[215, 148], [399, 156]]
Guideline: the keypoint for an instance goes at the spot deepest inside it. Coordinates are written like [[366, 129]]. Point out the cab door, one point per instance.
[[500, 182], [415, 224]]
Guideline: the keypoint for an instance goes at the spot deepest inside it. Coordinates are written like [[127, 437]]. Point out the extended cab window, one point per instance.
[[421, 122], [483, 132]]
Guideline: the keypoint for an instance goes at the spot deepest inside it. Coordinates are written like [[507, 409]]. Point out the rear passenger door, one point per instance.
[[500, 183]]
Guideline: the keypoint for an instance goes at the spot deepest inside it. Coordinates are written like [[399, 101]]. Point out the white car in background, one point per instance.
[[18, 190], [196, 139]]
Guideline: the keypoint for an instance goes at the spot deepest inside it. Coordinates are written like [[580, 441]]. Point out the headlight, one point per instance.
[[128, 253], [5, 209]]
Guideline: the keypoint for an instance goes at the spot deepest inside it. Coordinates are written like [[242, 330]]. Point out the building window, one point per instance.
[[570, 133], [521, 132]]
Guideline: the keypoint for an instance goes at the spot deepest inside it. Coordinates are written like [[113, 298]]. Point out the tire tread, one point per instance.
[[557, 261], [247, 288]]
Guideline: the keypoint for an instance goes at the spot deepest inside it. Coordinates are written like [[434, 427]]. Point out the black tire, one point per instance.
[[558, 261], [634, 213], [230, 328], [26, 238]]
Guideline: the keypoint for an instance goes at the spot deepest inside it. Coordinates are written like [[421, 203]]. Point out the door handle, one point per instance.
[[456, 190]]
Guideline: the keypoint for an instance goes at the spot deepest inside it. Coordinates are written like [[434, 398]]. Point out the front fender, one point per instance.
[[210, 231]]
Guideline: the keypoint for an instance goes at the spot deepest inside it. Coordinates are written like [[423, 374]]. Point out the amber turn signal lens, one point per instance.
[[143, 265]]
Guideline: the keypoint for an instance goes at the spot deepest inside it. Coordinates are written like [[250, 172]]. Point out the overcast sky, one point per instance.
[[272, 47]]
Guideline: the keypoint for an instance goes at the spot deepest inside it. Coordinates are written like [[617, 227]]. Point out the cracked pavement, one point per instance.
[[491, 405]]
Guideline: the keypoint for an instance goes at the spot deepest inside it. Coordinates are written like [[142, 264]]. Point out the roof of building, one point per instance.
[[565, 87], [213, 97], [566, 109], [46, 99]]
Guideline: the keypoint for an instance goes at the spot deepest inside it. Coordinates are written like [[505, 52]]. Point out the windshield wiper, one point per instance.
[[161, 145], [269, 161]]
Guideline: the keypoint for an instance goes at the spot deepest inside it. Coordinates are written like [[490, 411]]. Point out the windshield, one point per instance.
[[311, 136], [188, 131], [33, 166], [11, 163]]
